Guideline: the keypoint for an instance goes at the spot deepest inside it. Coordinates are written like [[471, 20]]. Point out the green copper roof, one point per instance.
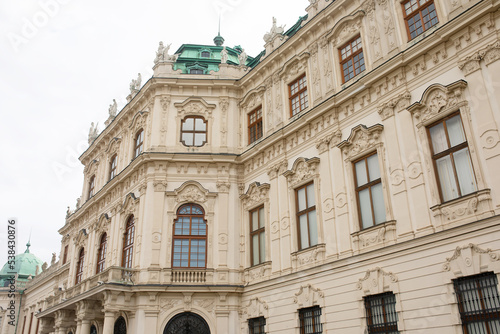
[[205, 58], [25, 265]]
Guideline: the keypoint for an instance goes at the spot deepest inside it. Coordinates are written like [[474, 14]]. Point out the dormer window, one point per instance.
[[205, 54], [195, 71]]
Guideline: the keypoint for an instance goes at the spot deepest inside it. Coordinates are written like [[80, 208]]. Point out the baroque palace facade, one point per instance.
[[345, 180]]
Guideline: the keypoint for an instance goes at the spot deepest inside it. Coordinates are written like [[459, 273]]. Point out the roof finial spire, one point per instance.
[[28, 244], [218, 40]]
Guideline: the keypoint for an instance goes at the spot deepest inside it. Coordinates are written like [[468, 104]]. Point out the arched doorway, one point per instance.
[[187, 323], [93, 329], [120, 326]]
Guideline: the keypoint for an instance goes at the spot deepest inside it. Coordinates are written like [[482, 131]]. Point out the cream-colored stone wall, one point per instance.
[[423, 245]]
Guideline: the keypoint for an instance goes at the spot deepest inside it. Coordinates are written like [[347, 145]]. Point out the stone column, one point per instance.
[[85, 327], [109, 321]]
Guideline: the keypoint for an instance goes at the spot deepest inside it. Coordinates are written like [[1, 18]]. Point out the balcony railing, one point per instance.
[[187, 276]]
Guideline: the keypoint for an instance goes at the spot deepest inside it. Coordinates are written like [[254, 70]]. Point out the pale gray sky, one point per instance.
[[62, 62]]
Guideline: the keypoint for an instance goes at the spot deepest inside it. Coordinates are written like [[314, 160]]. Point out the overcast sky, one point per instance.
[[61, 64]]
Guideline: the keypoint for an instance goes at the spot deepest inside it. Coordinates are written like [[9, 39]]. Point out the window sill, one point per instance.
[[464, 209], [379, 235], [313, 255], [257, 273]]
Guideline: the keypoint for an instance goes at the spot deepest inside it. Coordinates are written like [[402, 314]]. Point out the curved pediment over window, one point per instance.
[[294, 67], [253, 98], [139, 120], [113, 145], [194, 106], [130, 205], [303, 170], [361, 141], [191, 192], [438, 101], [256, 194], [346, 28]]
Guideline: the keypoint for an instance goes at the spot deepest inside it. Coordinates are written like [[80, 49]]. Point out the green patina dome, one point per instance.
[[25, 265]]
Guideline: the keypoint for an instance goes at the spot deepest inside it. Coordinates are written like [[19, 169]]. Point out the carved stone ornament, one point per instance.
[[328, 141], [470, 64], [194, 106], [277, 169], [361, 140], [377, 281], [139, 120], [294, 67], [491, 53], [102, 223], [437, 100], [130, 205], [402, 101], [308, 296], [223, 187], [255, 307], [346, 28], [302, 170], [166, 303], [113, 146], [160, 186], [165, 102], [470, 260], [192, 191], [256, 194], [253, 99], [80, 238]]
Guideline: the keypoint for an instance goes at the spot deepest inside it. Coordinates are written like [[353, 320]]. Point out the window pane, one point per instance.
[[188, 124], [261, 217], [378, 203], [304, 237], [313, 228], [310, 196], [187, 138], [255, 221], [255, 249], [199, 138], [200, 125], [447, 178], [455, 131], [262, 237], [465, 173], [373, 167], [365, 208], [361, 177], [438, 137], [301, 198]]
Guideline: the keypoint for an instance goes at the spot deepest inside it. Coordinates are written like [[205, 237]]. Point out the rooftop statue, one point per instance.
[[223, 56], [92, 132], [162, 54], [135, 84], [275, 30], [242, 57], [113, 108]]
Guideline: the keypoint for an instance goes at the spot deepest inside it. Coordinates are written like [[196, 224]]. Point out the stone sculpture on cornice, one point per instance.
[[223, 56], [242, 57], [113, 108], [275, 30], [92, 132]]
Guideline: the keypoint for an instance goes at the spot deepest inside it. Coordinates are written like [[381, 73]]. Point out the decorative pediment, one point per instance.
[[302, 170], [332, 139], [194, 106], [80, 238], [130, 205], [91, 168], [256, 194], [361, 140], [191, 192], [438, 101], [471, 260], [113, 145], [346, 28], [256, 307], [277, 169], [377, 281], [294, 67], [102, 223], [308, 296], [139, 120], [253, 98], [402, 101]]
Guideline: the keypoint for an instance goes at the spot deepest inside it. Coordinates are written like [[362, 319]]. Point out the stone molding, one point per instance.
[[346, 28], [377, 281], [401, 102], [303, 170], [361, 141], [294, 67], [256, 194], [308, 296], [194, 106], [191, 192]]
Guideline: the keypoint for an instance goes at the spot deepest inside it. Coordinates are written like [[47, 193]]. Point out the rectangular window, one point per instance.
[[65, 256], [258, 236], [257, 325], [420, 15], [452, 162], [310, 320], [112, 167], [255, 125], [352, 60], [298, 95], [479, 303], [91, 187], [381, 313], [305, 203], [371, 207], [194, 131], [139, 143]]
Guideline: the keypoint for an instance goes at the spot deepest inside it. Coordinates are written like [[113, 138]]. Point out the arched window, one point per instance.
[[112, 166], [190, 237], [101, 254], [91, 187], [128, 243], [120, 326], [194, 131], [79, 266], [93, 329], [187, 322], [139, 143]]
